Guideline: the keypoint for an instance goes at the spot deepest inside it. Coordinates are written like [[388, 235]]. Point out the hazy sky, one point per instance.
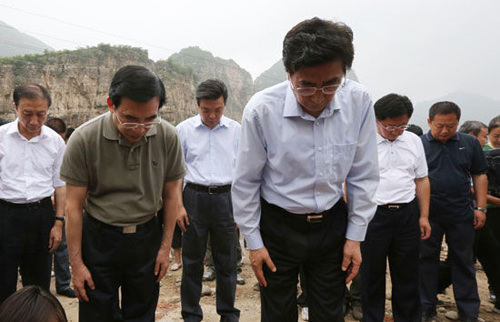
[[424, 49]]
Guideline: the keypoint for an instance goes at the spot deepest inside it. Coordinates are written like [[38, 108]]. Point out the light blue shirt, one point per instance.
[[299, 163], [210, 154]]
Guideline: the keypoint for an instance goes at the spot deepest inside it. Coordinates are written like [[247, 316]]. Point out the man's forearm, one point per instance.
[[423, 192], [74, 235], [60, 199], [480, 183]]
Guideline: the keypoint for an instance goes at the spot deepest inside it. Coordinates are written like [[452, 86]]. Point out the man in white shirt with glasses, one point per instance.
[[300, 140]]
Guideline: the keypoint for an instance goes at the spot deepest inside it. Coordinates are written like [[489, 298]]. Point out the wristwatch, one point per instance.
[[480, 209], [60, 218]]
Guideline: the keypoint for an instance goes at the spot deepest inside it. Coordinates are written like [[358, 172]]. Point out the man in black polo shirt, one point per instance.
[[453, 160]]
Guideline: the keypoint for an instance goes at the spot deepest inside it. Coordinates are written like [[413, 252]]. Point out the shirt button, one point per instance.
[[320, 149]]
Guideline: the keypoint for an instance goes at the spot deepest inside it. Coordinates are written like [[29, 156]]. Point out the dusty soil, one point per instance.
[[248, 301]]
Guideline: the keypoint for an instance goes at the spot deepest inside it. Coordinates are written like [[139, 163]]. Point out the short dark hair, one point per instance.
[[444, 107], [211, 89], [414, 128], [393, 105], [494, 123], [56, 124], [136, 83], [32, 303], [31, 91], [3, 121], [69, 131], [474, 127], [315, 41]]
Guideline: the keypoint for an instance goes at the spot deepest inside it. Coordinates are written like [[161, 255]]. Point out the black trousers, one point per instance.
[[208, 213], [119, 260], [291, 242], [460, 238], [392, 235], [24, 244]]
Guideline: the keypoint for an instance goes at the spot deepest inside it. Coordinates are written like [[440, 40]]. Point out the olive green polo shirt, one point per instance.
[[124, 181]]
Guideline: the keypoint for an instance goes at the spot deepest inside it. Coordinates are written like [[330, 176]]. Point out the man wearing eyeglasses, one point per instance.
[[453, 160], [402, 217], [120, 169], [300, 140]]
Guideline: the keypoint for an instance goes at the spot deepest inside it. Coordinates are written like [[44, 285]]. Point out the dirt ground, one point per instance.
[[248, 301]]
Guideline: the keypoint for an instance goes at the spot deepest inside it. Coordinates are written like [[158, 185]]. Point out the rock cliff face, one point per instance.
[[79, 81]]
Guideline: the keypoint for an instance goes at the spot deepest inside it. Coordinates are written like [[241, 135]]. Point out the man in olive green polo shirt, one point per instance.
[[122, 167]]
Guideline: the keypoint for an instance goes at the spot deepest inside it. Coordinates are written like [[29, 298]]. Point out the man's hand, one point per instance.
[[55, 236], [183, 220], [479, 219], [352, 259], [425, 228], [80, 276], [259, 257], [162, 262]]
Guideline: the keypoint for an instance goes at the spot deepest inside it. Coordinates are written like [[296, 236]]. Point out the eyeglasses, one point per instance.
[[393, 128], [310, 91], [146, 125]]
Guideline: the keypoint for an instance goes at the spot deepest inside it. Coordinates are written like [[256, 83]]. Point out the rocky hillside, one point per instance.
[[79, 80]]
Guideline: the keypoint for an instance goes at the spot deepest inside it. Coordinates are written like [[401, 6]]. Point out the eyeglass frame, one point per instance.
[[337, 86], [392, 127], [147, 125]]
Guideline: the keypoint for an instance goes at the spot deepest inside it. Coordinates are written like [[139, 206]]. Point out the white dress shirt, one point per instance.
[[209, 153], [299, 163], [400, 162], [29, 170]]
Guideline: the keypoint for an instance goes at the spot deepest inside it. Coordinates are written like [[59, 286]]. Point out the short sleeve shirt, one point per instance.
[[125, 181], [451, 166]]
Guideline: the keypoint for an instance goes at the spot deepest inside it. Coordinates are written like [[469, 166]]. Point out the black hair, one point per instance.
[[443, 108], [136, 83], [34, 304], [494, 123], [474, 127], [393, 105], [3, 121], [69, 131], [211, 89], [56, 124], [315, 41], [31, 91], [413, 128]]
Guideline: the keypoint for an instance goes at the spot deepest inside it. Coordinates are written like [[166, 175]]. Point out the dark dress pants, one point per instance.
[[392, 235], [208, 213], [121, 260], [460, 238], [291, 242], [24, 242]]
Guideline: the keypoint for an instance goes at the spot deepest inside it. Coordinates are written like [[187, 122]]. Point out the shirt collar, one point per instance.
[[429, 137], [294, 109], [14, 129], [199, 123], [401, 138], [110, 131]]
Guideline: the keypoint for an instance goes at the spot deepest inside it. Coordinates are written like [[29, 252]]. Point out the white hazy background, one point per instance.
[[424, 49]]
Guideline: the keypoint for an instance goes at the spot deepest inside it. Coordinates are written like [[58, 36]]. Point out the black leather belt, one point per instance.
[[395, 206], [130, 229], [209, 189], [45, 202]]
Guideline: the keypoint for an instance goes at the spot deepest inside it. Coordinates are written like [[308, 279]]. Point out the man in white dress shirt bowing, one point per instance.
[[30, 158], [402, 217], [209, 143], [300, 141]]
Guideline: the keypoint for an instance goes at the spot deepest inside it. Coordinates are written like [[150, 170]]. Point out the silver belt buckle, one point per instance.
[[393, 207], [130, 229], [210, 189]]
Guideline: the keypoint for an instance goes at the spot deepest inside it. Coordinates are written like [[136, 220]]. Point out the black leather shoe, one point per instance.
[[209, 275], [68, 293]]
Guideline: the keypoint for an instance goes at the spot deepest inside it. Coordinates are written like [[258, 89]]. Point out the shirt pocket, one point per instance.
[[342, 158]]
